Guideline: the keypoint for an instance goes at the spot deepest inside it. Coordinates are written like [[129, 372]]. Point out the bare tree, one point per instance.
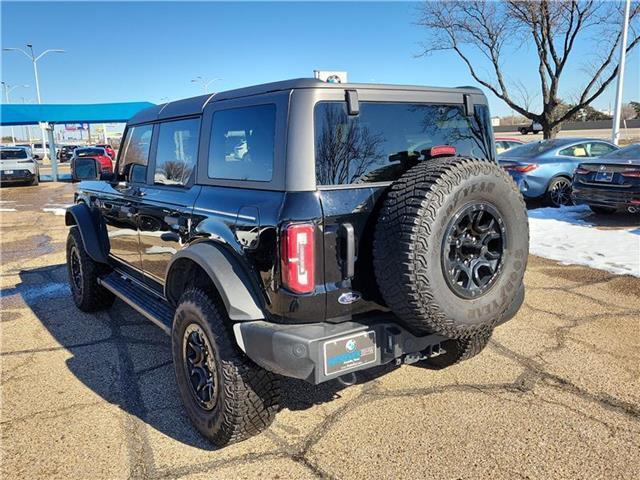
[[481, 32]]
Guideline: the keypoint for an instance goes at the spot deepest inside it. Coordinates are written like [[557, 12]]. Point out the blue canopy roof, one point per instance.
[[28, 114]]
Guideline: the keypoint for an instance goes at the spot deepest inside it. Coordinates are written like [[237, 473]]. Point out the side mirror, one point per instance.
[[85, 169]]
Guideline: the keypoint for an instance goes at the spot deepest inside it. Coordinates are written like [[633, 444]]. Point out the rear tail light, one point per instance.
[[521, 168], [581, 171], [631, 172], [298, 257]]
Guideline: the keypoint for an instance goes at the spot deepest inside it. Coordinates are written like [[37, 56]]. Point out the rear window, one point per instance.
[[89, 152], [16, 154], [385, 138]]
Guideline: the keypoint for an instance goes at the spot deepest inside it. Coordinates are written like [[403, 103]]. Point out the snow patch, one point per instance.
[[568, 235], [8, 210]]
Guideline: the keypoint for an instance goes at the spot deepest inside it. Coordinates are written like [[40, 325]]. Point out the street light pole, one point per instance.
[[7, 90], [615, 132], [34, 60], [205, 83]]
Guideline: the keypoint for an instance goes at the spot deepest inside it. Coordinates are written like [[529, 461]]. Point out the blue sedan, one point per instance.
[[544, 169]]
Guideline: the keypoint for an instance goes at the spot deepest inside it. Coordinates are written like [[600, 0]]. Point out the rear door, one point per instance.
[[357, 159], [166, 200]]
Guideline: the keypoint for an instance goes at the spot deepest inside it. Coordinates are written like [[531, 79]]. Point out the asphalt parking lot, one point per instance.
[[555, 395]]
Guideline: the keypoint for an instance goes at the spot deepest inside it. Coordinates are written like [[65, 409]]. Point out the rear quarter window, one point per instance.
[[385, 139], [242, 144]]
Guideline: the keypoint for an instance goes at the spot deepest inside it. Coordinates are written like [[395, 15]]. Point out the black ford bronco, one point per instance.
[[303, 229]]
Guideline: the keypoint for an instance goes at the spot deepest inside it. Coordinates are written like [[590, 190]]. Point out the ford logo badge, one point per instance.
[[348, 298]]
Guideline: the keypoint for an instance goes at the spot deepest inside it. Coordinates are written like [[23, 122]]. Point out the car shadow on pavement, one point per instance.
[[126, 360]]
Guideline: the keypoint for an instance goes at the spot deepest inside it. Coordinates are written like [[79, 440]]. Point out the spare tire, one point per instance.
[[451, 246]]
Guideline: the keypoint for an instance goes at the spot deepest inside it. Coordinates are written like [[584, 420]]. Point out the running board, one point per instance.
[[140, 299]]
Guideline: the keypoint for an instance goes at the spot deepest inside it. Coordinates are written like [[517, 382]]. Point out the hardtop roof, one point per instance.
[[195, 105]]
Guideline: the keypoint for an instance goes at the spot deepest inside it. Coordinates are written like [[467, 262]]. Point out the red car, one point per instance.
[[505, 143], [109, 149], [99, 153]]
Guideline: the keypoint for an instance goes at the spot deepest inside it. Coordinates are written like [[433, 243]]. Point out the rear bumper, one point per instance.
[[21, 175], [529, 185], [606, 197], [299, 351]]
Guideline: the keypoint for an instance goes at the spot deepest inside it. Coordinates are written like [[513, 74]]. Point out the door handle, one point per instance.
[[347, 235]]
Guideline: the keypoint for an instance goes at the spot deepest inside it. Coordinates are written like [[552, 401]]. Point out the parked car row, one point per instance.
[[567, 171], [18, 164]]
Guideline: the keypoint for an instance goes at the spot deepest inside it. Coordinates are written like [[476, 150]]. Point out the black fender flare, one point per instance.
[[92, 230], [231, 280]]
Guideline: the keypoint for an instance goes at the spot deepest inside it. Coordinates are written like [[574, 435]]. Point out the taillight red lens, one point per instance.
[[521, 168], [581, 171], [631, 172], [298, 257]]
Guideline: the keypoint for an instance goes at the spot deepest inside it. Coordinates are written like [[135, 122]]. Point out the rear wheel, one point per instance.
[[83, 271], [602, 210], [523, 131], [559, 192], [451, 246], [227, 397]]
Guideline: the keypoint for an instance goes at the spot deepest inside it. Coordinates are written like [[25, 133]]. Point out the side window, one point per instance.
[[578, 151], [242, 143], [598, 149], [135, 155], [177, 151]]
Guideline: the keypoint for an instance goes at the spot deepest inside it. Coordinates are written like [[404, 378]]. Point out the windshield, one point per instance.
[[533, 149], [16, 154], [630, 152], [89, 152], [384, 139]]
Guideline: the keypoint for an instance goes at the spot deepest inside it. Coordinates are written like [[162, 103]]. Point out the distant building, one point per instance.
[[495, 121]]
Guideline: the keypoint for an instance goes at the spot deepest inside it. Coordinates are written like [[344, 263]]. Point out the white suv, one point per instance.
[[17, 165]]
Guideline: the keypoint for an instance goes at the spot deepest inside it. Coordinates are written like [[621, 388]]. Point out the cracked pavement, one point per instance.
[[556, 394]]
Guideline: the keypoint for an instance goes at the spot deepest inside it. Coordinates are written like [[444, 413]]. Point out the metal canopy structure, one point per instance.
[[27, 114], [47, 115]]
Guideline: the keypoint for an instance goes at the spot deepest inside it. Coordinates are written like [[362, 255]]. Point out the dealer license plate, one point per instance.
[[346, 353], [604, 176]]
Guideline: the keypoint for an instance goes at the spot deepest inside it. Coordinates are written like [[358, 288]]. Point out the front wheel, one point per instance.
[[88, 294], [559, 193], [227, 397]]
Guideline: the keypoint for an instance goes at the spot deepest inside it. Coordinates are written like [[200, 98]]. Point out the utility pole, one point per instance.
[[615, 132], [7, 90], [34, 60]]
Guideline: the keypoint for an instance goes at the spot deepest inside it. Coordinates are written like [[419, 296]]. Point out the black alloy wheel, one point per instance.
[[75, 267], [200, 367], [560, 192], [472, 249]]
